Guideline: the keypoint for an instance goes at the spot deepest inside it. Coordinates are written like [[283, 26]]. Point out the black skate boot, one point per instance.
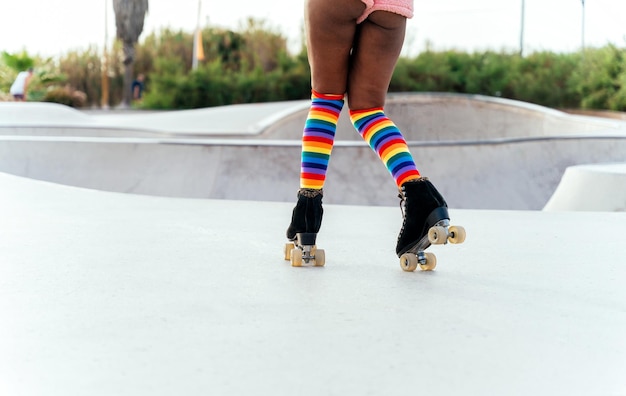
[[306, 221], [426, 222]]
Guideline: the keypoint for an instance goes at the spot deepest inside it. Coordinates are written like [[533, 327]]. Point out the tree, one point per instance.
[[129, 18], [18, 62]]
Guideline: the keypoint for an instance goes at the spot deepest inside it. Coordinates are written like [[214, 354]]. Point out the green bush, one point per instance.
[[18, 62], [543, 78], [66, 96], [600, 79], [594, 80], [83, 72]]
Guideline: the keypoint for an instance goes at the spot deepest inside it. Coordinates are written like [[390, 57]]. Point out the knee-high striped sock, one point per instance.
[[318, 138], [384, 137]]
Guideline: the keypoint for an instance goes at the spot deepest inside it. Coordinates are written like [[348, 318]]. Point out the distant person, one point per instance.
[[138, 87], [353, 47], [19, 88]]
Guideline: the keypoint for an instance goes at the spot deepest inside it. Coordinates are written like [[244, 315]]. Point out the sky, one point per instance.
[[54, 27]]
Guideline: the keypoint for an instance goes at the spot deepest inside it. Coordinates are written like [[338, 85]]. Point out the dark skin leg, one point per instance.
[[356, 59]]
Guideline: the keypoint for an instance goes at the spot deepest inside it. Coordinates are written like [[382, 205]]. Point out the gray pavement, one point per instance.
[[118, 294]]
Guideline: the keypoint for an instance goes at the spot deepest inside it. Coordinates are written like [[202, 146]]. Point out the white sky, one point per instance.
[[52, 27]]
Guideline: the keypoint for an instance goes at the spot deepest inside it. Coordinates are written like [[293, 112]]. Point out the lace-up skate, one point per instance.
[[425, 222], [306, 221]]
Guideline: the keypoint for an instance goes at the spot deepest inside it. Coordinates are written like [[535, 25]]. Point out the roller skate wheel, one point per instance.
[[320, 258], [289, 246], [457, 234], [437, 235], [430, 264], [408, 262], [296, 258]]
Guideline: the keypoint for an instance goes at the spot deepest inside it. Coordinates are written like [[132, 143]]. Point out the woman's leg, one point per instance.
[[330, 30], [374, 57], [331, 27]]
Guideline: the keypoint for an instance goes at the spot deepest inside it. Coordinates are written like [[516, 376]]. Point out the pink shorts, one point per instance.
[[402, 7]]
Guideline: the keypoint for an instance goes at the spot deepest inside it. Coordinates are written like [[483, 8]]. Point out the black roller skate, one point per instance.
[[306, 221], [426, 222]]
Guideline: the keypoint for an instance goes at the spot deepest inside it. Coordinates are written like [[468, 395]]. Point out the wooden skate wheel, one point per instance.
[[437, 235], [431, 262], [457, 234], [289, 246], [296, 258], [408, 262], [320, 257]]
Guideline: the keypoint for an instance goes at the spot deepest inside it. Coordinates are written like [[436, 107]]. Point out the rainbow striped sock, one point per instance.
[[318, 138], [384, 137]]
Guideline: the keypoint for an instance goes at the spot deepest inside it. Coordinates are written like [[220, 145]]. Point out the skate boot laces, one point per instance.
[[402, 196], [402, 210]]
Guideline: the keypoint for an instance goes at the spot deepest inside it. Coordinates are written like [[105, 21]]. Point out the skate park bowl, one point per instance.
[[481, 152], [155, 292]]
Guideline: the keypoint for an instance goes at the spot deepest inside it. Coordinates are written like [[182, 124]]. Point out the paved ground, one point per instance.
[[118, 294]]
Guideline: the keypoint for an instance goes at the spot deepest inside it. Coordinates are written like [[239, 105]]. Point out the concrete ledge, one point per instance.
[[240, 120], [421, 117], [458, 117], [598, 187]]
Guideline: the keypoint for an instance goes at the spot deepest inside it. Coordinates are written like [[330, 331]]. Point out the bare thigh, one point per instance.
[[374, 57], [331, 28]]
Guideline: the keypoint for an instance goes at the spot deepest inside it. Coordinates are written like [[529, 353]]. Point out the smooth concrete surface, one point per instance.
[[597, 187], [117, 294], [481, 152]]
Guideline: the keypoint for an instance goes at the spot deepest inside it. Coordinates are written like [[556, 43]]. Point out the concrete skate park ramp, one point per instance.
[[481, 152], [598, 187]]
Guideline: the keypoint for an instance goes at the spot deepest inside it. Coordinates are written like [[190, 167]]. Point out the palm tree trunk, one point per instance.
[[129, 19], [129, 58]]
